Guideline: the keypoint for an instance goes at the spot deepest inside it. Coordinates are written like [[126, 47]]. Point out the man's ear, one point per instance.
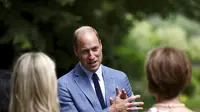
[[75, 51], [100, 43]]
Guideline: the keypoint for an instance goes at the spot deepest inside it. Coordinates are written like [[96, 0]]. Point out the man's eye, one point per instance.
[[84, 52], [95, 49]]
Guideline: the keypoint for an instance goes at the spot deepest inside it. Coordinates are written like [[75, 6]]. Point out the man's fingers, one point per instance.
[[133, 104], [123, 94], [117, 91], [134, 108], [111, 101], [130, 99]]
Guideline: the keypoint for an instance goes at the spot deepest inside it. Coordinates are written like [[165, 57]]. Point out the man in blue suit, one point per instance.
[[90, 85]]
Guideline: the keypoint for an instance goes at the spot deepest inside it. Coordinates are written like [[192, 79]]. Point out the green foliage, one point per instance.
[[193, 103], [48, 26], [176, 31]]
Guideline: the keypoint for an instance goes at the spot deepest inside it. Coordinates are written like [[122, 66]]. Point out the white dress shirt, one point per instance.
[[100, 76]]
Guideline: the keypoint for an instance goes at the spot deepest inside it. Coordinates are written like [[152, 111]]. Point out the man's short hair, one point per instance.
[[81, 31]]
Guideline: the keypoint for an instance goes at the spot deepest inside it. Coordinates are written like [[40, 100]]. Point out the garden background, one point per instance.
[[128, 30]]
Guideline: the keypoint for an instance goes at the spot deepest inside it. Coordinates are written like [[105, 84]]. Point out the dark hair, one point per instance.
[[5, 87], [168, 72]]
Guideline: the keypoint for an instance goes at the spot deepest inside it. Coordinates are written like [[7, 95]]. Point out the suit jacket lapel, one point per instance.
[[109, 85], [83, 83]]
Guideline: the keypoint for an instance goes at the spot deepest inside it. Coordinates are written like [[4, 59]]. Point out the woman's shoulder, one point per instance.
[[154, 109]]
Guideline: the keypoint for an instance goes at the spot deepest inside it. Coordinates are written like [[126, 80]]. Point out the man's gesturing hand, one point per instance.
[[122, 103]]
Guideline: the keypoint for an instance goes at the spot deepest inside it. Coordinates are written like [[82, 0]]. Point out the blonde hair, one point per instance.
[[34, 84]]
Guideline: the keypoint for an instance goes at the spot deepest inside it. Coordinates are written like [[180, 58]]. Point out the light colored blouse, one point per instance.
[[154, 109]]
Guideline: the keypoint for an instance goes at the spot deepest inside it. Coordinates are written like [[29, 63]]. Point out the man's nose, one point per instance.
[[91, 55]]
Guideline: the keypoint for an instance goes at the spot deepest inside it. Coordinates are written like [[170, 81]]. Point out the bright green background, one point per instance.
[[128, 29]]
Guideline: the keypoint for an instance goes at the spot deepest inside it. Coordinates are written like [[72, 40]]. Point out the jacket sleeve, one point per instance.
[[65, 99], [128, 88]]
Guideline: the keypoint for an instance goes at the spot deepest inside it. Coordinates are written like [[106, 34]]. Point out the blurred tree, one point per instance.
[[177, 31], [48, 25]]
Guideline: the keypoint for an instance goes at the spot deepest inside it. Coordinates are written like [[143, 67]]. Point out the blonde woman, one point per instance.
[[34, 84]]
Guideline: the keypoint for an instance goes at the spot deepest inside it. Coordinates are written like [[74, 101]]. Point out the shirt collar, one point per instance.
[[89, 74]]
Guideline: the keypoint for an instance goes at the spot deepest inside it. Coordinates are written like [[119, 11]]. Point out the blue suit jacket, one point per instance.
[[77, 95]]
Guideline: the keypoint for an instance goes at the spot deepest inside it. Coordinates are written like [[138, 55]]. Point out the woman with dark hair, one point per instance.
[[168, 72], [5, 77]]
